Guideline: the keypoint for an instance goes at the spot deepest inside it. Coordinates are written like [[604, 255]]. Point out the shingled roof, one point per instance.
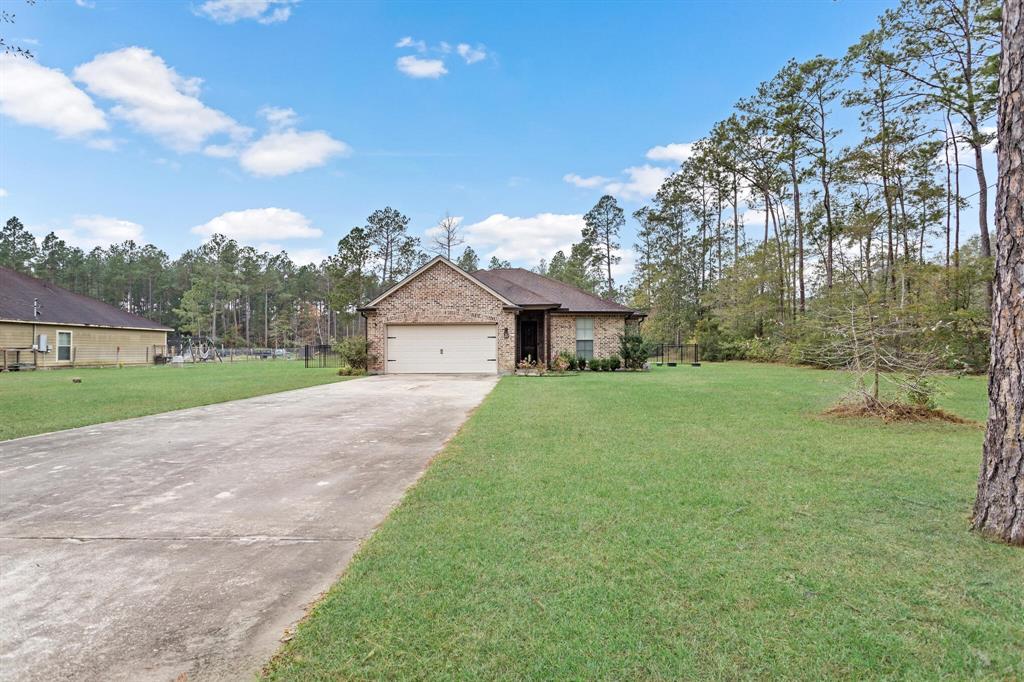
[[19, 292], [527, 288]]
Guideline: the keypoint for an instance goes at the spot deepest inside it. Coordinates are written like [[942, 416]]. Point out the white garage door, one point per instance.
[[442, 349]]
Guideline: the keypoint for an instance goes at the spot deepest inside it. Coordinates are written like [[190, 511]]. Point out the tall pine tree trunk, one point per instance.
[[884, 171], [825, 182], [979, 167], [799, 233], [735, 219], [999, 507], [956, 201], [949, 187]]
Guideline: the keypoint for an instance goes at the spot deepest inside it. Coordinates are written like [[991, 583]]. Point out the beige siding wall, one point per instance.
[[607, 329], [440, 295], [90, 346]]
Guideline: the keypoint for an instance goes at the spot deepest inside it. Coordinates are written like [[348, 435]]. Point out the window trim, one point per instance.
[[70, 346]]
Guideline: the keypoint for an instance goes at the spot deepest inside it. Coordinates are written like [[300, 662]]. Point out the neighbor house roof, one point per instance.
[[530, 289], [19, 293]]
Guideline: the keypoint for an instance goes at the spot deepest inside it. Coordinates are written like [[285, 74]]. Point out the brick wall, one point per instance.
[[441, 295], [607, 329]]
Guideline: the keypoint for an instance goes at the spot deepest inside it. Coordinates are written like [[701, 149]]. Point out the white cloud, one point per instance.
[[279, 117], [168, 163], [753, 217], [156, 99], [263, 11], [289, 151], [3, 192], [407, 41], [33, 94], [221, 151], [414, 67], [525, 240], [677, 152], [85, 3], [88, 232], [588, 182], [307, 256], [260, 224], [471, 54], [643, 183], [445, 47], [105, 144], [270, 247], [311, 256], [623, 270]]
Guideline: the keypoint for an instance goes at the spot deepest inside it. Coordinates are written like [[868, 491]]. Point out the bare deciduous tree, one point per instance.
[[447, 236]]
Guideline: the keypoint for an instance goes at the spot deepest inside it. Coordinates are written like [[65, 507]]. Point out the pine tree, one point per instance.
[[603, 224], [18, 247]]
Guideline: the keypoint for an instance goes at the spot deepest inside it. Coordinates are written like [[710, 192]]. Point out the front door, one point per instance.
[[528, 339]]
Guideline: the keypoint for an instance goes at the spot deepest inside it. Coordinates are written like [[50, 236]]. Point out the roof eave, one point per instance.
[[574, 311], [86, 324]]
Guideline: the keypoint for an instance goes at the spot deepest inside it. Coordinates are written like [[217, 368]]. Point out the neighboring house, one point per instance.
[[43, 325], [441, 319]]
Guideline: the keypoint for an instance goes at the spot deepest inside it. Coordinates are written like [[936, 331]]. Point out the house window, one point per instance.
[[64, 346], [585, 337]]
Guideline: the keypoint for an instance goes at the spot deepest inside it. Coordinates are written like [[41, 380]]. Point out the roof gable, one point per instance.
[[429, 264], [19, 294]]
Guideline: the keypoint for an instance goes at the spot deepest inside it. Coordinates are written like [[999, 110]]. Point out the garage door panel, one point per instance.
[[448, 348]]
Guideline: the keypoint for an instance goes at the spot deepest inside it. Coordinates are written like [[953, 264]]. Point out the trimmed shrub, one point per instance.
[[581, 362], [571, 363], [614, 363], [634, 350], [560, 363], [355, 352], [596, 364]]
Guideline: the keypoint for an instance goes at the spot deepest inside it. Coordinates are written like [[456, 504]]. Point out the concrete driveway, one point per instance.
[[187, 542]]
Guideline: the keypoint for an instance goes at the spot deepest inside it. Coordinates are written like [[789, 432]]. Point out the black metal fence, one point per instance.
[[675, 354], [321, 356]]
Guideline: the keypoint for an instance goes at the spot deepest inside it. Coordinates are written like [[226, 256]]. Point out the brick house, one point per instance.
[[441, 319]]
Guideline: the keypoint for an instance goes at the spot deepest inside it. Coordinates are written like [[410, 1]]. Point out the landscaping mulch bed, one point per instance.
[[895, 412]]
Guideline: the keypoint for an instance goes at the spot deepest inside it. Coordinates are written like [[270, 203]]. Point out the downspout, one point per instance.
[[547, 336], [366, 332]]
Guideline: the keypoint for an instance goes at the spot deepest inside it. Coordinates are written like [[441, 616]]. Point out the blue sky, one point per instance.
[[167, 120]]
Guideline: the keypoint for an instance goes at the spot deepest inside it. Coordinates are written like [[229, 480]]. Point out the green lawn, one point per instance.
[[687, 523], [41, 401]]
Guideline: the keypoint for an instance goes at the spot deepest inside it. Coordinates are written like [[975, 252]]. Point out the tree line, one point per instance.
[[235, 294], [865, 217]]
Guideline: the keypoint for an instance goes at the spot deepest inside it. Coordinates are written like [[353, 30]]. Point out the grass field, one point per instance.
[[41, 401], [686, 523]]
